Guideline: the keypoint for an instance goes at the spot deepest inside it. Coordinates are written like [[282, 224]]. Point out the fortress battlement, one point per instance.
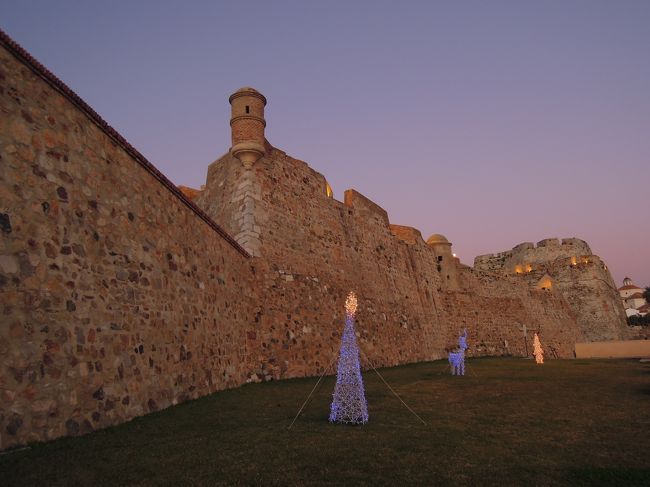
[[123, 294], [527, 253]]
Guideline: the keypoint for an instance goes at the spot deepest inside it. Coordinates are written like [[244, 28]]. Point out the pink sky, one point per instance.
[[493, 123]]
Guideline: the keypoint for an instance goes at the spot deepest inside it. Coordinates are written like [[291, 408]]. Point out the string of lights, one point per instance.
[[537, 350], [457, 357], [349, 401]]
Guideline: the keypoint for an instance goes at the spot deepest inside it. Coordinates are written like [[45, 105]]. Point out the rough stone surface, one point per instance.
[[119, 298], [116, 299], [414, 297], [574, 272]]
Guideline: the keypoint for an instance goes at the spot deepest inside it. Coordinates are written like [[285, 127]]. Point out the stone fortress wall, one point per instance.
[[414, 296], [120, 295], [515, 260], [569, 268]]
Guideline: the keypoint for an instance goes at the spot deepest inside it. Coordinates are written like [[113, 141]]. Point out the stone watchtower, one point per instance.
[[247, 124], [446, 261], [248, 147]]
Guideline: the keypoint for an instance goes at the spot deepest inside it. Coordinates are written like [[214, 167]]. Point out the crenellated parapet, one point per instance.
[[125, 294], [568, 268], [522, 256]]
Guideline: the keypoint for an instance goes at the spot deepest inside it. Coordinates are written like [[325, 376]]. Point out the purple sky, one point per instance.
[[493, 123]]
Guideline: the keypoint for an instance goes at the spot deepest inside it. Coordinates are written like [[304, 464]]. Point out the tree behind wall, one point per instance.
[[638, 320]]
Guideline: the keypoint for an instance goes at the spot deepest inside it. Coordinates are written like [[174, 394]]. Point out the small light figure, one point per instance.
[[537, 350], [462, 341], [349, 400], [457, 357]]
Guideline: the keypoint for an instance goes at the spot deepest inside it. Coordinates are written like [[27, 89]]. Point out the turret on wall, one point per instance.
[[247, 124], [271, 317], [447, 264]]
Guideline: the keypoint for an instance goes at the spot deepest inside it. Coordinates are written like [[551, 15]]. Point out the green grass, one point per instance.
[[508, 422]]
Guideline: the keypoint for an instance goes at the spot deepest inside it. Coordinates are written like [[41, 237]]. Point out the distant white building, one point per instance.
[[633, 300]]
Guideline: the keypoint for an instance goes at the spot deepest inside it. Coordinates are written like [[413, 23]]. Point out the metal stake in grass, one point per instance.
[[349, 404]]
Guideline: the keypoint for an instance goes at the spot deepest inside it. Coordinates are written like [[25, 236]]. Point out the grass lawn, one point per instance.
[[508, 422]]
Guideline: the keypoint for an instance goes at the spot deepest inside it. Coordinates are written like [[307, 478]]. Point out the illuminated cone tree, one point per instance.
[[349, 403], [537, 350]]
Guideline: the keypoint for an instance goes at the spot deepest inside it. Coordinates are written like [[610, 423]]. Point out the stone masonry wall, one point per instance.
[[525, 253], [315, 249], [117, 296], [581, 277], [502, 305], [239, 207], [120, 296]]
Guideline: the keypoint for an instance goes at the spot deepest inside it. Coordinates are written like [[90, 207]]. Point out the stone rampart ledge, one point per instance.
[[354, 199], [406, 234], [614, 349], [542, 244]]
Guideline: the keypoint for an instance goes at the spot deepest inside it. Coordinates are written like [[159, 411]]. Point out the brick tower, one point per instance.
[[247, 124]]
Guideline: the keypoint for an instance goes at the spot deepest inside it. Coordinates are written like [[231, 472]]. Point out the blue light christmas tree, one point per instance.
[[349, 403]]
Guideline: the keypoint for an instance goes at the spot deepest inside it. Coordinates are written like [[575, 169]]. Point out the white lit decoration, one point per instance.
[[351, 305], [537, 350], [457, 357], [349, 403]]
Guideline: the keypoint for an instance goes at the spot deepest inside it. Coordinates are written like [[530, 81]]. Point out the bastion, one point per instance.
[[122, 294]]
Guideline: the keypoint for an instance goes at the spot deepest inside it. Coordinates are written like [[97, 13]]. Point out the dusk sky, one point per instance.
[[493, 123]]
